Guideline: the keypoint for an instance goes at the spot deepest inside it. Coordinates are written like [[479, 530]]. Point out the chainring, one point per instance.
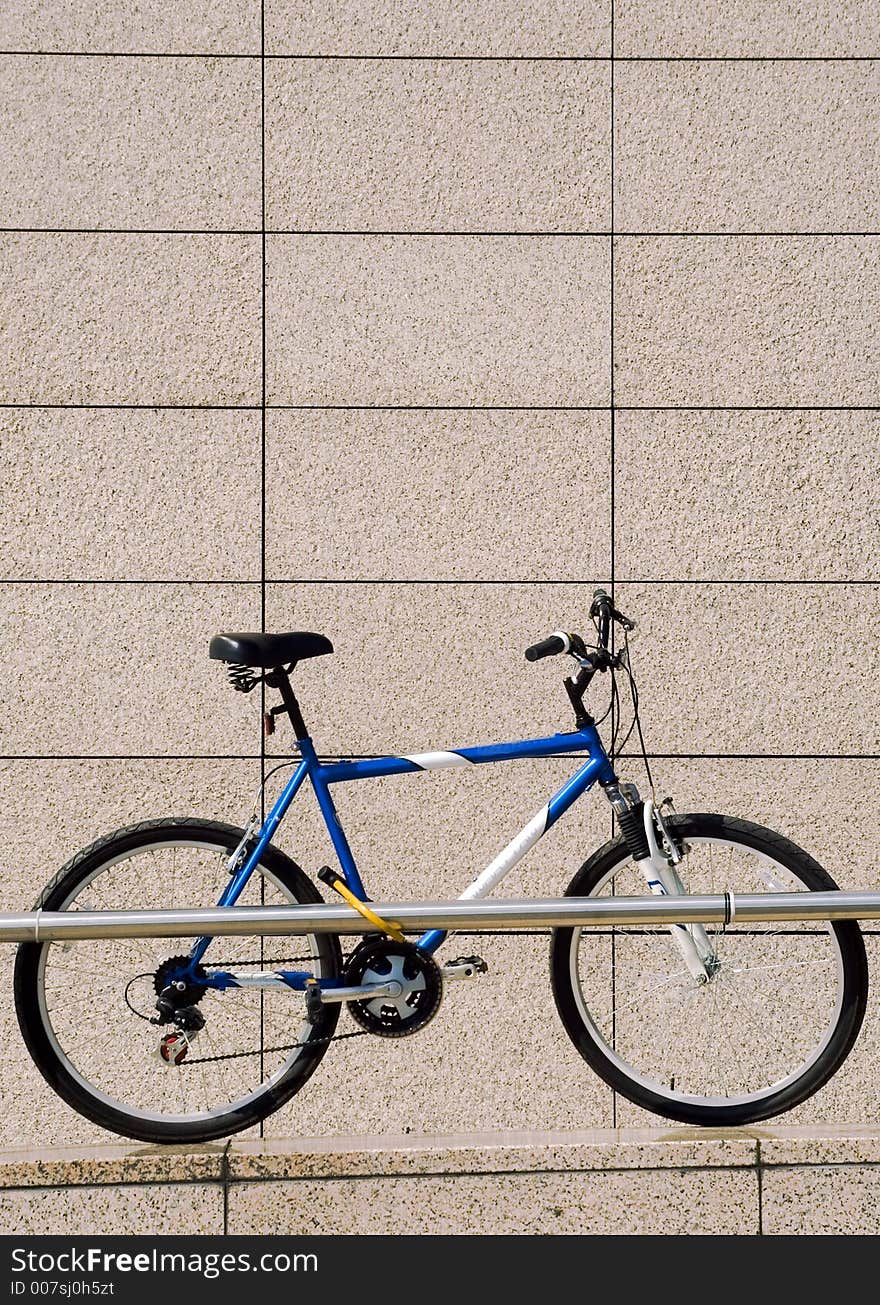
[[378, 960]]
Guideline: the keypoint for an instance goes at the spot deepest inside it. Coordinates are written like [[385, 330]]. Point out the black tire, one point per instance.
[[32, 1005], [842, 939]]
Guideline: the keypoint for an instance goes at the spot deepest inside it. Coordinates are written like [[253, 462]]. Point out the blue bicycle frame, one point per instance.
[[597, 767]]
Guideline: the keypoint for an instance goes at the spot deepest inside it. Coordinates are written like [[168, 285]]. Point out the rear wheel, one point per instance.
[[777, 1017], [74, 1000]]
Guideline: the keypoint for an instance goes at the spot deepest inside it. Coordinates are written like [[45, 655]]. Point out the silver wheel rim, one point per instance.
[[279, 1030], [701, 1030]]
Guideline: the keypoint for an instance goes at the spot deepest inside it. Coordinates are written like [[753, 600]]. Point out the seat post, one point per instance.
[[279, 678]]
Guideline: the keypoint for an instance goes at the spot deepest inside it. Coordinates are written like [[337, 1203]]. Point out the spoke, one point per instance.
[[739, 1052], [822, 963], [280, 1032], [176, 1070], [222, 1067], [708, 1052], [651, 991], [203, 1078], [63, 997], [764, 1011], [75, 1003], [54, 962], [88, 977], [782, 991], [678, 1017], [97, 893]]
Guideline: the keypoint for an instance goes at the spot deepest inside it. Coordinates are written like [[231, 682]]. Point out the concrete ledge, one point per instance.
[[784, 1180]]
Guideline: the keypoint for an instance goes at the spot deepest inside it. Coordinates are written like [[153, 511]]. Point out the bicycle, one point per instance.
[[712, 1026]]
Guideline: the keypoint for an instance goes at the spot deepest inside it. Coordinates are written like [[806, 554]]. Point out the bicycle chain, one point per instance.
[[270, 960], [268, 1051]]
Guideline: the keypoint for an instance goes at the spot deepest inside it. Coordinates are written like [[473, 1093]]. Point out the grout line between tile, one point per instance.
[[263, 382], [511, 582], [759, 1170], [132, 756], [444, 407], [225, 1180], [611, 320], [288, 231], [708, 235], [613, 452], [747, 58], [347, 58], [443, 58], [135, 1184], [592, 233], [123, 54], [228, 1179], [133, 231], [95, 580]]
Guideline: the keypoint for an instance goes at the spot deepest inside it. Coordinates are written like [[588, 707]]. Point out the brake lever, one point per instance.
[[593, 660]]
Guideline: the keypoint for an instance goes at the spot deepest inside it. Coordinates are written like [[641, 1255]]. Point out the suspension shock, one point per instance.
[[631, 823], [629, 811]]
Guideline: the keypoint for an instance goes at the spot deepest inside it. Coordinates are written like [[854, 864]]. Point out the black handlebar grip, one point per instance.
[[546, 648]]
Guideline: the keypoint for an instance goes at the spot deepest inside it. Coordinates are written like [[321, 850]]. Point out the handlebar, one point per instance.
[[603, 612], [590, 660], [557, 643]]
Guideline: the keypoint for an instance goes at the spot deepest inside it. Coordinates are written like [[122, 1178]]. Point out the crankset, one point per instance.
[[409, 983]]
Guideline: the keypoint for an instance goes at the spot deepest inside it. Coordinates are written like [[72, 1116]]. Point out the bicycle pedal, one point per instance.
[[464, 967]]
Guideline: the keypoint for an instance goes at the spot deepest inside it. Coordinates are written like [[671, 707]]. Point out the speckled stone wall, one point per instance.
[[410, 324]]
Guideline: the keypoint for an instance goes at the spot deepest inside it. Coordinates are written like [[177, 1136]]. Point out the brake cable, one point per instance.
[[637, 720]]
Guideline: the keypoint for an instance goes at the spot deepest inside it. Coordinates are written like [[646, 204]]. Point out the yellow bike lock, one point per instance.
[[334, 879]]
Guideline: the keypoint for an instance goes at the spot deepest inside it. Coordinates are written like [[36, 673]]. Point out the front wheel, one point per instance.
[[84, 1008], [777, 1017]]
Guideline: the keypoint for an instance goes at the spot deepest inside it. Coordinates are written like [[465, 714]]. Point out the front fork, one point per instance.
[[641, 823]]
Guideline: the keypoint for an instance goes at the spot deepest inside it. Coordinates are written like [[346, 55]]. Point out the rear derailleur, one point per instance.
[[177, 1003]]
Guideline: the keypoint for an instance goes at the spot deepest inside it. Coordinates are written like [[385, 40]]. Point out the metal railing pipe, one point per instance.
[[415, 917]]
